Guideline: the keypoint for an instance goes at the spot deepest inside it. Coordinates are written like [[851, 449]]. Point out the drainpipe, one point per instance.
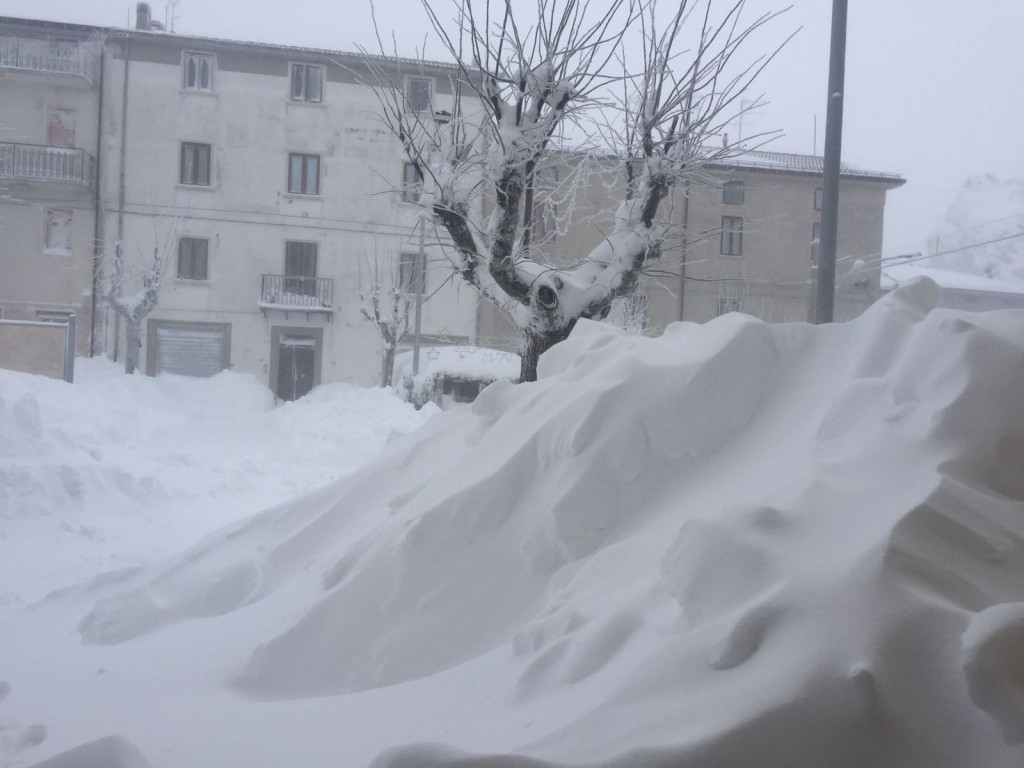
[[121, 182], [97, 228]]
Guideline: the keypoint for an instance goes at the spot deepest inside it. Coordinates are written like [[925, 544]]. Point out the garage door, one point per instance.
[[200, 350]]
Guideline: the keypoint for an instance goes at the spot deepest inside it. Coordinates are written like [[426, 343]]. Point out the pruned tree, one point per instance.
[[386, 302], [520, 84], [134, 307]]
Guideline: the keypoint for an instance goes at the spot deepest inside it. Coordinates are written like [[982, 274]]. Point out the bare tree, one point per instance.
[[386, 302], [520, 84], [133, 308]]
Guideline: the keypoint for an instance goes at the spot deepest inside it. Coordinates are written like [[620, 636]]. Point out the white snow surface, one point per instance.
[[734, 545]]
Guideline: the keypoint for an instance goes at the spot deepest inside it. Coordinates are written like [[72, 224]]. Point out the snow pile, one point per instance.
[[115, 459], [737, 544], [983, 230]]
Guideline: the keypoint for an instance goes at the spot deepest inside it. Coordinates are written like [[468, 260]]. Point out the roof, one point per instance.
[[174, 38], [809, 165], [899, 273]]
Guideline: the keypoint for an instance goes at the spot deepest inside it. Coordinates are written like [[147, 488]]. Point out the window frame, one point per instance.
[[412, 190], [819, 198], [301, 187], [407, 271], [210, 58], [409, 80], [193, 258], [194, 147], [302, 95], [54, 249], [544, 222], [739, 192], [732, 236], [301, 282]]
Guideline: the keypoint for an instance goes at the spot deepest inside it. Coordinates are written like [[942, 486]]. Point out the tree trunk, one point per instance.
[[387, 366], [132, 344], [535, 345]]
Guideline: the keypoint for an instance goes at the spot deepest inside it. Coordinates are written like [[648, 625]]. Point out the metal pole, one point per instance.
[[418, 281], [826, 290]]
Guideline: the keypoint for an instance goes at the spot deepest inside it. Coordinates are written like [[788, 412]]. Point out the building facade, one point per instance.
[[261, 183], [258, 179]]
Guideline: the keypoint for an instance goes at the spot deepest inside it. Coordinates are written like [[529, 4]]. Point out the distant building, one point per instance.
[[957, 290]]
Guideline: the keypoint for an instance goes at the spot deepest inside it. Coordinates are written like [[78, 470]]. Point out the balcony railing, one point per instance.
[[302, 294], [51, 56], [35, 162]]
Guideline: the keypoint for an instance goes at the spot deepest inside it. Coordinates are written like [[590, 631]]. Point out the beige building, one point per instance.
[[49, 124]]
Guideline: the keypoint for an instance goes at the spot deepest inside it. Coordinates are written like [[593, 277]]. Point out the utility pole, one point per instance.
[[418, 267], [825, 292]]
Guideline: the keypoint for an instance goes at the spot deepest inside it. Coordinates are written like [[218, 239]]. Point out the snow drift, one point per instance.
[[737, 544]]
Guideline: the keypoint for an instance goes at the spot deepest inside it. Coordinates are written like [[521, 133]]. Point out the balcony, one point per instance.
[[48, 56], [288, 293], [36, 162]]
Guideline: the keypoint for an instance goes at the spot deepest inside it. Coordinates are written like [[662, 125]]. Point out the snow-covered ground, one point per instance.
[[735, 545]]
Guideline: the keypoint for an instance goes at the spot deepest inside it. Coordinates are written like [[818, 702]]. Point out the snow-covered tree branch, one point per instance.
[[386, 302], [654, 87], [133, 308]]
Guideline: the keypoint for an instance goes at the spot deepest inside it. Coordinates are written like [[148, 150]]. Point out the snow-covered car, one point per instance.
[[451, 374]]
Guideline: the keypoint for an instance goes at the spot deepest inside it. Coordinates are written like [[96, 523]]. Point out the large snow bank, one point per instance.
[[737, 544], [113, 469]]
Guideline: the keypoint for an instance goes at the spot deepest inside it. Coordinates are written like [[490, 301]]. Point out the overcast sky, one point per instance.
[[933, 87]]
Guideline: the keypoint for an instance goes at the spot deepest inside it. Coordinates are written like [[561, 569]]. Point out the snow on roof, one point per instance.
[[785, 162], [898, 274], [463, 361]]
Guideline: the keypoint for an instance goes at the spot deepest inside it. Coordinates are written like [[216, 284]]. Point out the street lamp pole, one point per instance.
[[825, 292]]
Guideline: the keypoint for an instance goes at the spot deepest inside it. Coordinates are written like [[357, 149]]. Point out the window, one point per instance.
[[58, 232], [300, 268], [412, 183], [732, 235], [193, 253], [815, 241], [195, 164], [407, 272], [546, 177], [725, 306], [197, 71], [733, 192], [545, 222], [303, 174], [417, 93], [818, 195], [307, 83], [60, 127]]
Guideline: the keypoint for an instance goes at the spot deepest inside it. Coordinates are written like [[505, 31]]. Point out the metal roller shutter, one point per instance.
[[190, 351]]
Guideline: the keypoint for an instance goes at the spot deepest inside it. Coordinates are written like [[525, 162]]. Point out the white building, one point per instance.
[[260, 173]]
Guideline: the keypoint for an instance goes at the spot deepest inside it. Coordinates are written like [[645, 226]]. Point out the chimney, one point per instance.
[[143, 17]]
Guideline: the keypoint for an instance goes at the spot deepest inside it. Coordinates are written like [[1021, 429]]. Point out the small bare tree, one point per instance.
[[386, 302], [133, 308], [520, 83]]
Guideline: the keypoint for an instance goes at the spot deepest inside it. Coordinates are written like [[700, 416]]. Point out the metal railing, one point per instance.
[[294, 292], [35, 162], [58, 57]]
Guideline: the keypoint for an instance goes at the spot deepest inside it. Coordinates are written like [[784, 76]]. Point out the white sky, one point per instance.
[[932, 86]]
